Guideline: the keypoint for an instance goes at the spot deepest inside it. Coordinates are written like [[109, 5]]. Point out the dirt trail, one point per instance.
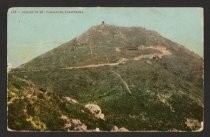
[[123, 81], [163, 52], [91, 51], [161, 49], [121, 61]]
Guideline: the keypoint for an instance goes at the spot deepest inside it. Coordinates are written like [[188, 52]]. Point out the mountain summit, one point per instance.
[[128, 77]]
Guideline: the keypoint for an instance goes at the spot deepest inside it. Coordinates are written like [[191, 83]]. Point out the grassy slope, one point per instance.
[[178, 76], [142, 110]]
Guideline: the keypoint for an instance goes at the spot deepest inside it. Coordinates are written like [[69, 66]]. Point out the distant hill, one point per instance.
[[140, 80]]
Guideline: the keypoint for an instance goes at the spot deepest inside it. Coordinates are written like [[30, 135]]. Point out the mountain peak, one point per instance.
[[108, 43], [124, 35], [139, 79]]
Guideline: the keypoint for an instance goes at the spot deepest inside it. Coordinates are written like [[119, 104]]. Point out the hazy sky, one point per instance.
[[31, 34]]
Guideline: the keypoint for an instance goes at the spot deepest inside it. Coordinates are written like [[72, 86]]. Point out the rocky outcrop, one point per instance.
[[116, 129], [193, 124], [73, 124], [70, 100], [95, 110]]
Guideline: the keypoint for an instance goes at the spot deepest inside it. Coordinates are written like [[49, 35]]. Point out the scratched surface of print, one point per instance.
[[105, 69]]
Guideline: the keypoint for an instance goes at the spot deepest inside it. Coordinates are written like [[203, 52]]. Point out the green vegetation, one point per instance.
[[165, 91]]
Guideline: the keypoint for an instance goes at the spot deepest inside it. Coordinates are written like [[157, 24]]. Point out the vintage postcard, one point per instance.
[[105, 69]]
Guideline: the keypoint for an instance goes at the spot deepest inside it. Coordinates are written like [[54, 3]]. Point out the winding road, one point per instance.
[[163, 52]]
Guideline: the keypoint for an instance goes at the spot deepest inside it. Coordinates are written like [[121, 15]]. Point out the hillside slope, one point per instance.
[[141, 80]]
